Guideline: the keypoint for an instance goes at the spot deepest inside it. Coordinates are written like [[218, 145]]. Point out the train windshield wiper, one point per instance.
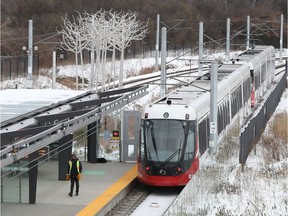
[[171, 156]]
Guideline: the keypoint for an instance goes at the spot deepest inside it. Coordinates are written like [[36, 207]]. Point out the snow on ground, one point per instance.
[[40, 82], [220, 187], [132, 67]]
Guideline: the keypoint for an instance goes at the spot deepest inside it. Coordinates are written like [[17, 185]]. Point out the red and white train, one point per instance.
[[175, 129]]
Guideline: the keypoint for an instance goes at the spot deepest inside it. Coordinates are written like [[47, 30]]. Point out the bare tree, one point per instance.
[[96, 26], [128, 29], [100, 32], [113, 23], [74, 39]]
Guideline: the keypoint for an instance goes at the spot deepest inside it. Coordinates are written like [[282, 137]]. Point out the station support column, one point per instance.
[[32, 173], [65, 151], [93, 141]]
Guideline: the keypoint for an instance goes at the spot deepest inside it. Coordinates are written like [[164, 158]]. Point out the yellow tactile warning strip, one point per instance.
[[97, 204]]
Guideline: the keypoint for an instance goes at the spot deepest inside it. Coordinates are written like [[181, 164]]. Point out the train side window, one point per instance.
[[263, 73], [202, 137], [257, 78], [190, 146]]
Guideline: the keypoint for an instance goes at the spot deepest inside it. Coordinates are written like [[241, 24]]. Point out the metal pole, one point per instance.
[[54, 70], [163, 62], [157, 43], [213, 107], [281, 37], [2, 186], [30, 52], [200, 57], [228, 40], [92, 81], [20, 187], [248, 33]]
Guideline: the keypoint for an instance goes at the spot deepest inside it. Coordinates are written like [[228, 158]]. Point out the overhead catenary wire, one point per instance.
[[25, 38]]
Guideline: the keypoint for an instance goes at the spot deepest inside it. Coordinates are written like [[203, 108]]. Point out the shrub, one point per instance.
[[278, 126], [147, 70], [275, 140]]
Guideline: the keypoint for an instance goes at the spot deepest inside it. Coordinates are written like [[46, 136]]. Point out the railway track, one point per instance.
[[145, 200], [129, 203], [156, 76]]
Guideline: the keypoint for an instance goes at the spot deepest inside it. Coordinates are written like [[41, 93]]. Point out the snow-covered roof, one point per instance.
[[15, 102]]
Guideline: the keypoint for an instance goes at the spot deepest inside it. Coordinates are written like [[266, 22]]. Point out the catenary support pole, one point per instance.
[[163, 62], [281, 38], [30, 53], [227, 57], [54, 70], [157, 44], [213, 107], [200, 57], [248, 33]]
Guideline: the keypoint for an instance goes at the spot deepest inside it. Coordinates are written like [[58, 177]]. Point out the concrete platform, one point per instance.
[[98, 185]]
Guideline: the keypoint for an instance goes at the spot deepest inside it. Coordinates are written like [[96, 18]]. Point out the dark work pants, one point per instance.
[[74, 180]]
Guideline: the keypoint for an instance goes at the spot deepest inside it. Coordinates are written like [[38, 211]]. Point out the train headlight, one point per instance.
[[162, 172], [166, 115]]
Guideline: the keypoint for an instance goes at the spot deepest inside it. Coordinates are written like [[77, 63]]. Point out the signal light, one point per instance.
[[186, 116], [178, 171], [147, 168], [116, 133], [146, 115]]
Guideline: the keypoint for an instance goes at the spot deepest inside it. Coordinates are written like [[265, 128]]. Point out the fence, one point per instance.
[[256, 126], [14, 67]]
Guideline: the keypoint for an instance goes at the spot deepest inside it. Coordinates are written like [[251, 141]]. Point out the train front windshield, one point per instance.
[[167, 140]]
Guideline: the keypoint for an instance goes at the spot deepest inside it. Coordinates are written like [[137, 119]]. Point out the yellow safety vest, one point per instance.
[[77, 164]]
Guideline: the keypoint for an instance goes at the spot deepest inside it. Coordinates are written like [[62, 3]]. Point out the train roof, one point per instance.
[[188, 95]]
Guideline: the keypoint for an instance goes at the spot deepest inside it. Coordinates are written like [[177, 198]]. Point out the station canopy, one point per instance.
[[16, 102]]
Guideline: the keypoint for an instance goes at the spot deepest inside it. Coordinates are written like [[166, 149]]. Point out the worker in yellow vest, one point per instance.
[[74, 173]]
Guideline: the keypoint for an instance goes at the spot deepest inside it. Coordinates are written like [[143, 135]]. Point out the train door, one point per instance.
[[130, 132]]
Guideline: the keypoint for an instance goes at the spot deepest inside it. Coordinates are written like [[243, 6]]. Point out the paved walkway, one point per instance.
[[52, 195]]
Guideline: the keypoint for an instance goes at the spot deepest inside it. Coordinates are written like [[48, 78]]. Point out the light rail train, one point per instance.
[[175, 129]]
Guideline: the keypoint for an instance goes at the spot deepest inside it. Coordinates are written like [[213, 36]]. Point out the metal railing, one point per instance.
[[13, 153]]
